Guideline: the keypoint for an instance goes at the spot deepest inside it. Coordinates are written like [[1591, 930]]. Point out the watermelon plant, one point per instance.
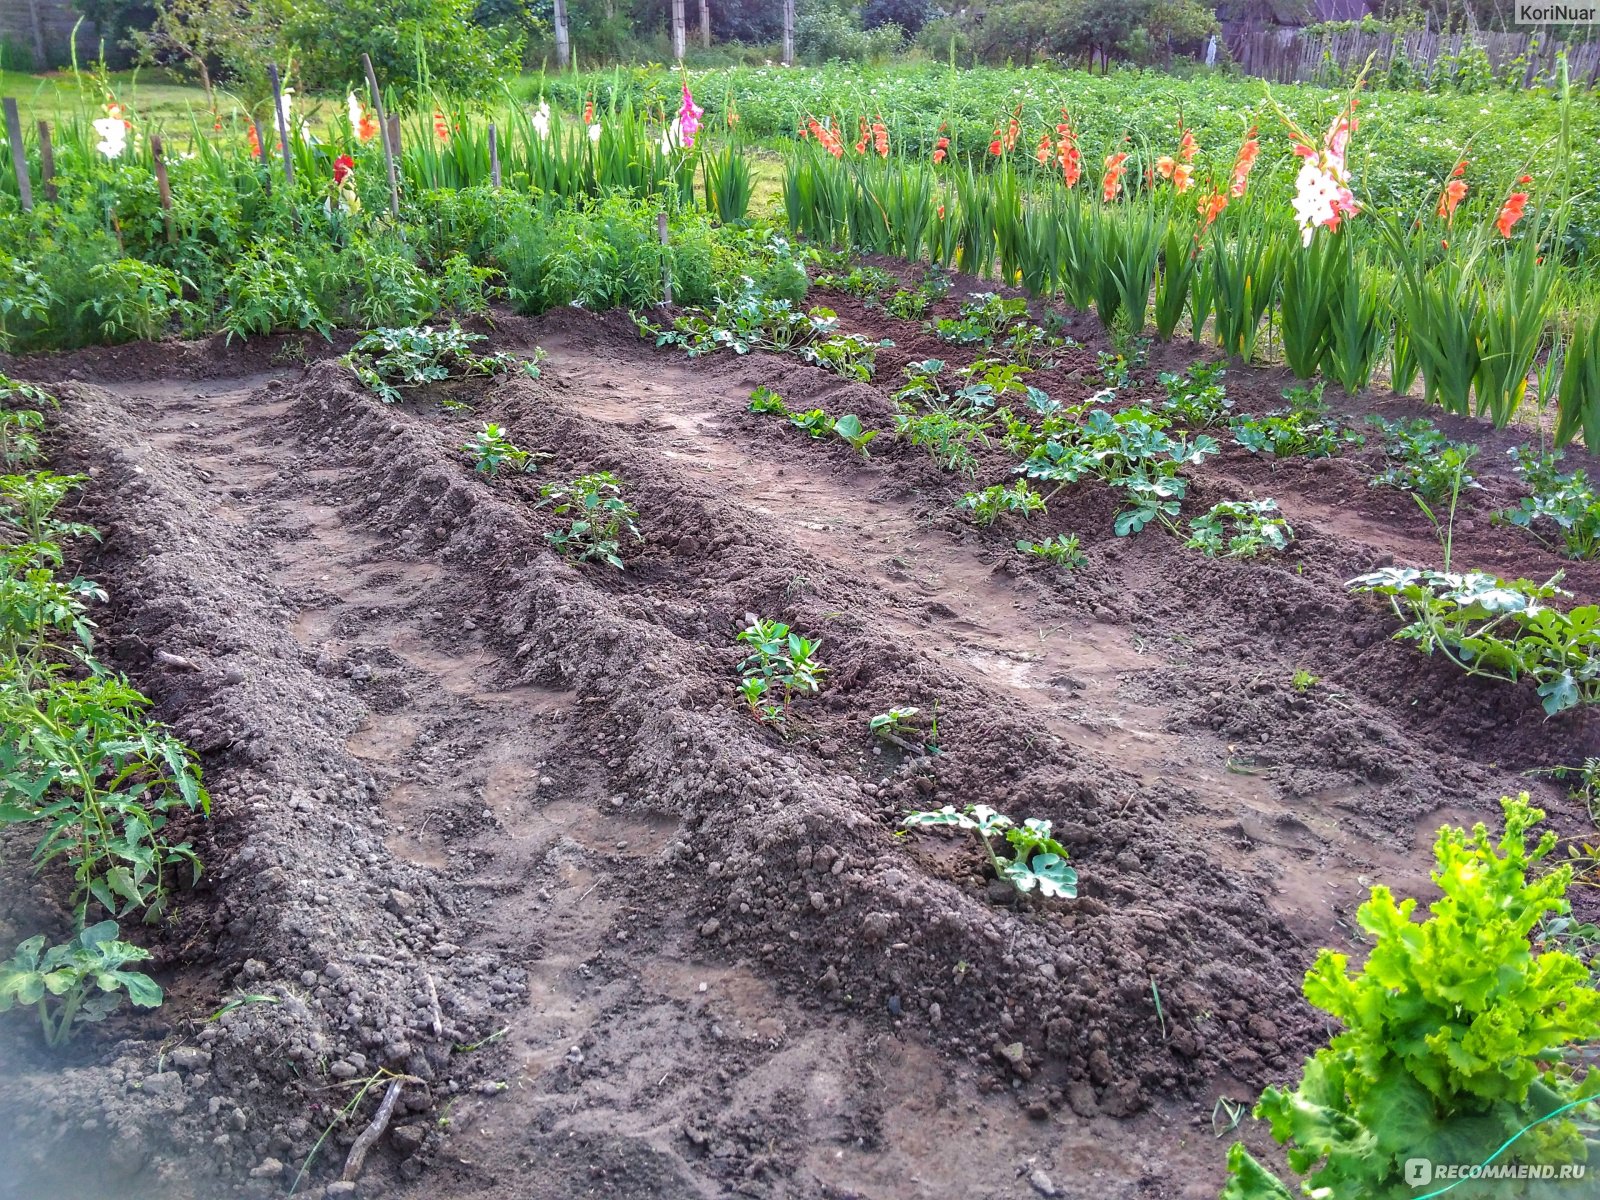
[[1036, 860]]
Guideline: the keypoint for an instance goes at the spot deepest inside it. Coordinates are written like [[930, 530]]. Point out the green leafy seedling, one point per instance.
[[1037, 860], [77, 982]]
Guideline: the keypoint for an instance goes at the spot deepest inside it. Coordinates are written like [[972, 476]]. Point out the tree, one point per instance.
[[910, 15], [412, 42], [201, 33]]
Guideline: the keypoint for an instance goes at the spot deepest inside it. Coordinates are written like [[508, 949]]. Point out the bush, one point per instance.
[[828, 35], [410, 41]]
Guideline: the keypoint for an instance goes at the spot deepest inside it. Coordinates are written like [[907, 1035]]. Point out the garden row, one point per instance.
[[84, 768]]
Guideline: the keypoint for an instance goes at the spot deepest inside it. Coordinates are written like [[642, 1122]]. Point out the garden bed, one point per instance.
[[501, 824]]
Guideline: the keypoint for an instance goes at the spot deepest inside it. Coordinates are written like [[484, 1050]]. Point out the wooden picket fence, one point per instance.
[[1291, 56]]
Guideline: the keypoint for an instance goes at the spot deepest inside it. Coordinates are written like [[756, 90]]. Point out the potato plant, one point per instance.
[[1036, 860], [600, 518], [781, 665], [491, 451]]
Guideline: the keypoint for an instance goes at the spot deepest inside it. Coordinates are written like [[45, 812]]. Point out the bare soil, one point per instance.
[[499, 823]]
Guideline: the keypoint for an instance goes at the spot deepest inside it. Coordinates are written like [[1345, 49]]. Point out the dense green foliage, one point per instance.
[[1455, 1039]]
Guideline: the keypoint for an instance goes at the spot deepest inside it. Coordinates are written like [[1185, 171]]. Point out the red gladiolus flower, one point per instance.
[[1461, 169], [255, 141], [1112, 183], [1454, 192], [342, 167], [1044, 150], [588, 112], [1511, 212], [994, 146], [880, 137], [941, 149], [441, 128], [941, 212]]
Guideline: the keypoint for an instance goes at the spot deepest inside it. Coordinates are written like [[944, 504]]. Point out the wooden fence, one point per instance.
[[1291, 56]]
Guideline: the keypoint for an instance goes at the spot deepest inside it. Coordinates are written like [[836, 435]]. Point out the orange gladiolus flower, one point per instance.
[[1187, 147], [941, 149], [1511, 212], [1242, 165], [441, 127], [1211, 208], [255, 141], [1165, 165], [880, 137], [588, 112], [1044, 151], [1449, 199], [1182, 177], [1115, 169], [1460, 170]]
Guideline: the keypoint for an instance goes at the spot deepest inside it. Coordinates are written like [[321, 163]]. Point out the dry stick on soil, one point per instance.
[[433, 1006], [389, 148], [374, 1131], [47, 162], [19, 158]]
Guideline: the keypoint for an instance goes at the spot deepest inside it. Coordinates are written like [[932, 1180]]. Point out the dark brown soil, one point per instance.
[[500, 823]]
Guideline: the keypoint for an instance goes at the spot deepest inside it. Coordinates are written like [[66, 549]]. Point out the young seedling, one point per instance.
[[1037, 860], [765, 400], [389, 360], [492, 451], [947, 438], [1240, 529], [997, 500], [903, 727], [1303, 680], [1062, 550], [77, 982], [1564, 504], [1196, 398], [780, 666], [600, 520], [1422, 460], [850, 429]]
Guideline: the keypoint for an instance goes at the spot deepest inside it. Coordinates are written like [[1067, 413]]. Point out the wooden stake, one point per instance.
[[394, 133], [788, 33], [677, 30], [390, 149], [19, 153], [163, 187], [705, 24], [283, 126], [47, 162], [666, 259], [563, 41], [494, 155]]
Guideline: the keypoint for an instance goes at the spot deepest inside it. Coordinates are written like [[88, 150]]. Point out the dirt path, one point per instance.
[[497, 823]]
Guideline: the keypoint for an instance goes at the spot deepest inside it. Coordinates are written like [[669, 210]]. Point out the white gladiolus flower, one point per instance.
[[113, 136], [594, 134], [541, 120], [355, 112]]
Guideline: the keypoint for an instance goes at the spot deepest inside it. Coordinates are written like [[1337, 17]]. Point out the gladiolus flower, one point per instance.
[[1525, 179], [255, 141], [941, 149], [1182, 177], [861, 141], [1211, 208], [588, 112], [1511, 212], [1187, 147], [594, 134], [541, 119], [689, 114], [1242, 165], [113, 136], [1454, 192], [343, 167], [880, 137], [1115, 169], [940, 213], [1165, 165], [441, 127], [1044, 151], [826, 138], [1322, 192], [1461, 169], [994, 146]]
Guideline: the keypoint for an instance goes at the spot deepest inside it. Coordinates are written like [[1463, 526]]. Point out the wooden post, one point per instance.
[[563, 41], [394, 134], [666, 259], [494, 155], [283, 126], [788, 33], [705, 24], [19, 153], [41, 53], [47, 162], [163, 187], [677, 31], [389, 148]]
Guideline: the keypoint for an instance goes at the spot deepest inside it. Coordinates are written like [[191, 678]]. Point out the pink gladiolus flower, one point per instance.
[[688, 119]]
